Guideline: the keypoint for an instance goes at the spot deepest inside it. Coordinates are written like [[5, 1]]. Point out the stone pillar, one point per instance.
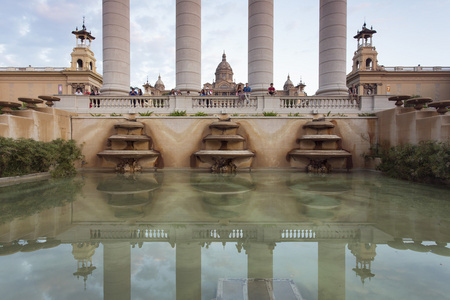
[[117, 271], [188, 45], [260, 45], [332, 48], [116, 47], [188, 271], [331, 269]]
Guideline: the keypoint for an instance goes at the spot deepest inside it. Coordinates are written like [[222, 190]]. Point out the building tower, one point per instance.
[[365, 58], [82, 56], [365, 61]]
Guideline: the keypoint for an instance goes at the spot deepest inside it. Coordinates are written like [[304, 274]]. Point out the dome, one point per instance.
[[288, 84], [224, 65], [159, 85]]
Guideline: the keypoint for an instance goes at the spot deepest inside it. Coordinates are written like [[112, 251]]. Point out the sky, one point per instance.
[[409, 32]]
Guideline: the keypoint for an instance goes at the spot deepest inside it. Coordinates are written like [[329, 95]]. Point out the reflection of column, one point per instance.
[[260, 44], [188, 271], [188, 45], [331, 269], [260, 260], [117, 271], [332, 47], [116, 47]]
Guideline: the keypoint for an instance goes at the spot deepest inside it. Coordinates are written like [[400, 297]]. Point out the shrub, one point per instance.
[[270, 114], [26, 156], [178, 113], [429, 161], [146, 114], [200, 114]]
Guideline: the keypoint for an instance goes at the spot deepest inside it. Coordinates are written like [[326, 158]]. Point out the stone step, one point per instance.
[[320, 153], [128, 153], [320, 137], [319, 125], [225, 153], [225, 138], [223, 125], [128, 137], [129, 124]]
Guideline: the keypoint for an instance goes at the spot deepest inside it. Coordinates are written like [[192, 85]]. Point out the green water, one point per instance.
[[190, 235]]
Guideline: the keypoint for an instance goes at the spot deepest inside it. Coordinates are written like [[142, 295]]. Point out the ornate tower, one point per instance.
[[82, 56], [365, 58], [224, 73]]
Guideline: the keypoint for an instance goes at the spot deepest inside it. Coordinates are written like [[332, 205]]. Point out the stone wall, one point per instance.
[[271, 138], [177, 138]]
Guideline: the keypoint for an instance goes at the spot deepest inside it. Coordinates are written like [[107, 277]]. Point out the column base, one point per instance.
[[336, 90]]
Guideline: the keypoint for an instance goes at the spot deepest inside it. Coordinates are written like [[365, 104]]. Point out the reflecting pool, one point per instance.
[[190, 235]]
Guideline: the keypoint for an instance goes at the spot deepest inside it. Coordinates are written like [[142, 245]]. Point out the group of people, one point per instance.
[[94, 91]]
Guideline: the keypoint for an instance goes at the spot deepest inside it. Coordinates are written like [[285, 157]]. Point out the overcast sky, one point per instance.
[[409, 32]]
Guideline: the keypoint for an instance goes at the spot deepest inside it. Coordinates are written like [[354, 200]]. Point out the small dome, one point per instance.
[[159, 85], [288, 84], [224, 65]]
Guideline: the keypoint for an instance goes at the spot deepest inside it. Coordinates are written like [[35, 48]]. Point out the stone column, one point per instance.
[[188, 271], [188, 45], [116, 47], [117, 271], [260, 45], [332, 47], [331, 269]]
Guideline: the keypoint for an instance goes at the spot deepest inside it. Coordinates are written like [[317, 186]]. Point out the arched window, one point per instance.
[[357, 65], [90, 66], [369, 64], [79, 64]]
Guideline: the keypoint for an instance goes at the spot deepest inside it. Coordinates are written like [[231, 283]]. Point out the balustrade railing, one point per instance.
[[126, 103], [217, 104]]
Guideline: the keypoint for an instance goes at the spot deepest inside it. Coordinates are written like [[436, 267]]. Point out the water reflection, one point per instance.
[[190, 235]]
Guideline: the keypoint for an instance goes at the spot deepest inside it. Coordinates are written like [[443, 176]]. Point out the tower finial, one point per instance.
[[84, 27]]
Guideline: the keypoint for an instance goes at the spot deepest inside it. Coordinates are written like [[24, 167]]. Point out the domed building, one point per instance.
[[289, 89], [224, 84]]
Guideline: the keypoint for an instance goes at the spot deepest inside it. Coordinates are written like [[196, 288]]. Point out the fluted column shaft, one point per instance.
[[188, 45], [260, 44], [332, 47], [116, 47]]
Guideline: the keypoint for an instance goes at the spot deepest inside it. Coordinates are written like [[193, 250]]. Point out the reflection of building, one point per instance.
[[83, 253], [364, 253], [368, 77], [34, 81]]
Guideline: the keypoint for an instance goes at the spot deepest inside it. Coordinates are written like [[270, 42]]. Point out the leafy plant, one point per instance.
[[146, 114], [96, 115], [366, 115], [295, 115], [115, 115], [178, 113], [27, 156], [340, 115], [429, 161], [200, 114], [270, 114]]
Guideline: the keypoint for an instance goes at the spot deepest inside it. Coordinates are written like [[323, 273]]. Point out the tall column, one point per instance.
[[331, 269], [116, 47], [260, 45], [188, 271], [117, 271], [188, 45], [332, 47]]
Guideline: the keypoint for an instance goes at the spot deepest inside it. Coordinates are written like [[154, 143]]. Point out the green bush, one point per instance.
[[146, 114], [27, 156], [200, 114], [429, 161], [178, 113], [270, 114]]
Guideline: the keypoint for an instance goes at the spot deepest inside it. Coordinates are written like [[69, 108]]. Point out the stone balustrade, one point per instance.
[[215, 104]]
